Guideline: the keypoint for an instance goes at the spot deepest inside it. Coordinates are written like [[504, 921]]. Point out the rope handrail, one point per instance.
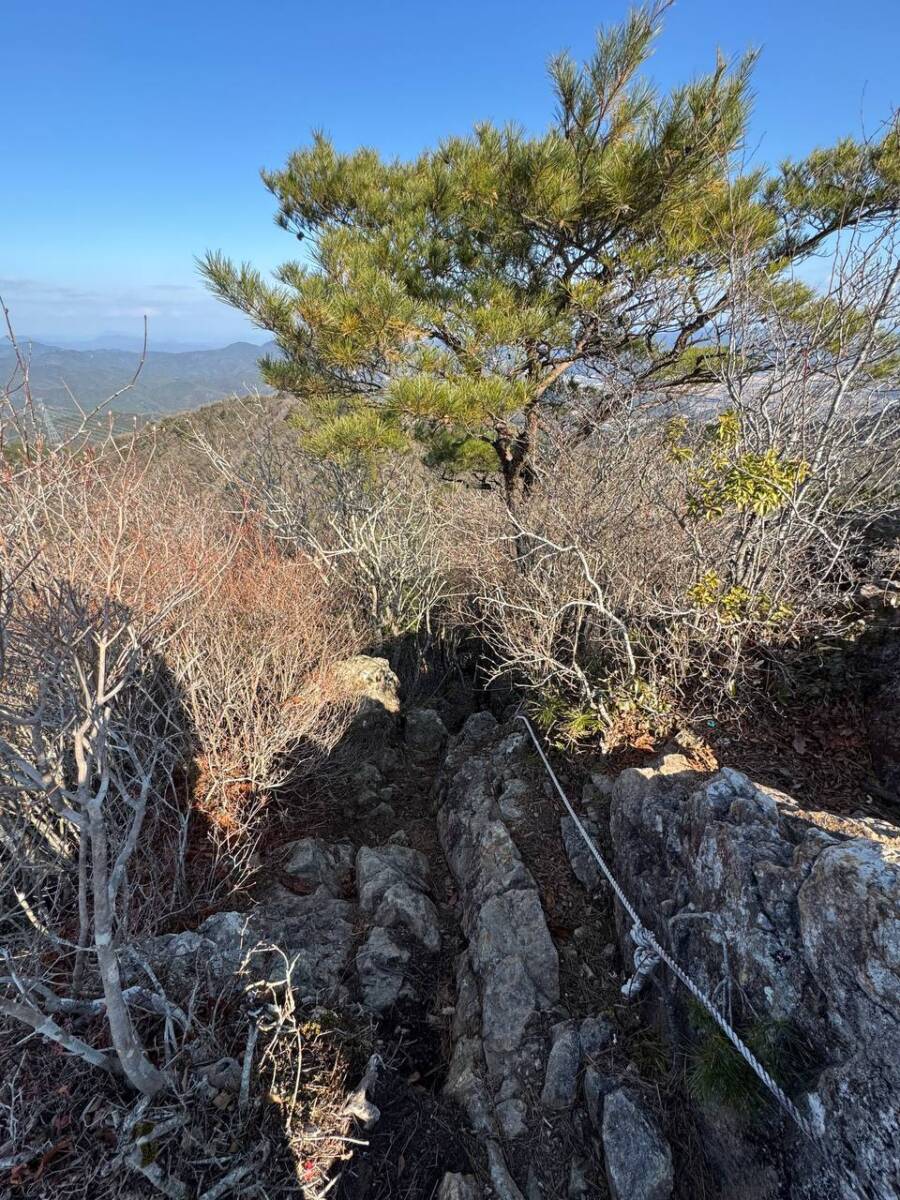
[[642, 935], [648, 938]]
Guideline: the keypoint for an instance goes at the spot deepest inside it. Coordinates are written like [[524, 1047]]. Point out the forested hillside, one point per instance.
[[168, 382]]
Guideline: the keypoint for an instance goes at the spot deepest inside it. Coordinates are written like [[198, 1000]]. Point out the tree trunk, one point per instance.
[[516, 456]]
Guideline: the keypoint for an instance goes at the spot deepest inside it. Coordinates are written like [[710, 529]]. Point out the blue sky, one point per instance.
[[133, 136]]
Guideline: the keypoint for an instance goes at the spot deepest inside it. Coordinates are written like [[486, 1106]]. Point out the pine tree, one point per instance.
[[452, 300]]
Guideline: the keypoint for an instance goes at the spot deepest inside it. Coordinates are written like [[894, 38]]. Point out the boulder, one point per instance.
[[478, 729], [563, 1063], [425, 733], [316, 863], [406, 908], [638, 1158], [374, 689], [381, 963], [313, 935], [369, 680], [383, 867], [181, 960]]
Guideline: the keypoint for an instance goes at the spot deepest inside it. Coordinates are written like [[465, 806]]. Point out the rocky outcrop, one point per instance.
[[789, 916], [523, 1067], [392, 882], [314, 863], [304, 939], [371, 683], [372, 690], [508, 976]]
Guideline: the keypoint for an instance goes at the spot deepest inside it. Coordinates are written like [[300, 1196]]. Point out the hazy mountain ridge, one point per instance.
[[169, 381]]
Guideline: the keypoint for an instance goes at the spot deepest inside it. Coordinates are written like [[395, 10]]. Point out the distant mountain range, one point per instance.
[[169, 382], [127, 341]]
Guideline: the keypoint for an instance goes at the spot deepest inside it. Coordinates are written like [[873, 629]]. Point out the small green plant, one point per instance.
[[761, 483], [718, 1075], [736, 603], [548, 710], [724, 476], [580, 723], [573, 723]]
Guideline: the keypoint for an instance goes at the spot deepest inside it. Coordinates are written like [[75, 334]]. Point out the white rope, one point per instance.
[[647, 938]]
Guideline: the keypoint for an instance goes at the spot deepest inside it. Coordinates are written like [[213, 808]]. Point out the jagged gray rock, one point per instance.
[[181, 960], [425, 733], [478, 729], [392, 883], [467, 1085], [402, 907], [504, 1185], [511, 800], [505, 1057], [384, 867], [596, 1086], [808, 906], [563, 1064], [584, 865], [381, 963], [314, 936], [459, 1187], [365, 784], [509, 974], [508, 755], [638, 1158], [319, 864]]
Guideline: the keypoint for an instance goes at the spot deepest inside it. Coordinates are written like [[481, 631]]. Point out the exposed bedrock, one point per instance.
[[392, 882], [800, 913], [521, 1063]]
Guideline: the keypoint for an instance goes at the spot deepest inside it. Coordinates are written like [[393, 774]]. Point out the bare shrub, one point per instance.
[[669, 558], [142, 630], [253, 662], [91, 743], [380, 536], [89, 730]]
